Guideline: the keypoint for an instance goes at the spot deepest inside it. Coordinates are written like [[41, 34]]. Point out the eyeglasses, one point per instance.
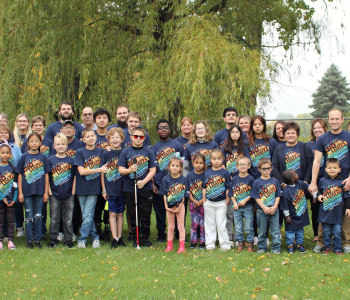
[[266, 169], [141, 137], [163, 128], [200, 129], [243, 165], [231, 115], [85, 115], [68, 128], [38, 125], [4, 121]]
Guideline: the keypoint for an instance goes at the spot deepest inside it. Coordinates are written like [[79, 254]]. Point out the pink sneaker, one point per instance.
[[11, 245], [0, 245]]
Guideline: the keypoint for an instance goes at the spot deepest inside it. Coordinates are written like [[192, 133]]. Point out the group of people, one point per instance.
[[240, 180]]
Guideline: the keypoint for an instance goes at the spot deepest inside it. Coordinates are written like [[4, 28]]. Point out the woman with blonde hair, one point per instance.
[[22, 130]]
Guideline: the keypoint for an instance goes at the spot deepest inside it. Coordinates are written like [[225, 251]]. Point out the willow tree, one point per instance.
[[162, 58]]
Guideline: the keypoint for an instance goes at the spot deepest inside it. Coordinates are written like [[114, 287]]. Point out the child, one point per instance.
[[33, 187], [112, 185], [267, 191], [332, 198], [62, 183], [174, 188], [88, 185], [195, 185], [7, 196], [240, 189], [216, 184], [294, 206]]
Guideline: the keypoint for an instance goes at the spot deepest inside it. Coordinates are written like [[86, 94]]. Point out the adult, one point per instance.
[[334, 144], [4, 120], [164, 150], [318, 127], [66, 112], [278, 132], [21, 130], [87, 118], [186, 129], [244, 123], [102, 117], [134, 120], [121, 115]]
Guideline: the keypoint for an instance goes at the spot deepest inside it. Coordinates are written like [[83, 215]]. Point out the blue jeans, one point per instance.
[[33, 206], [273, 221], [87, 205], [247, 213], [298, 235], [330, 230]]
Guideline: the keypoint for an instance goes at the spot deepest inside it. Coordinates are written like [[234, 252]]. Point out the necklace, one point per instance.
[[291, 147]]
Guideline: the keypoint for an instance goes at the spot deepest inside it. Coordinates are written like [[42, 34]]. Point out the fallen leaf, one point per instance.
[[112, 290], [284, 262], [230, 258], [34, 275], [209, 275], [257, 290], [261, 257], [233, 269], [327, 275], [274, 297], [267, 269], [254, 296], [218, 279]]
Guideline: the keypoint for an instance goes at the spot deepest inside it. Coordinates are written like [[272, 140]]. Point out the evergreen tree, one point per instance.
[[333, 92]]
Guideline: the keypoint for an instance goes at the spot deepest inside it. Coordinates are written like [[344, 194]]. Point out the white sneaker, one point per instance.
[[20, 232], [236, 244], [255, 241], [268, 242], [96, 244], [81, 244], [210, 247], [60, 237], [74, 237]]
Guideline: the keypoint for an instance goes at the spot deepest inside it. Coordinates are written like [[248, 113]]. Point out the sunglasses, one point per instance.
[[141, 137], [266, 169]]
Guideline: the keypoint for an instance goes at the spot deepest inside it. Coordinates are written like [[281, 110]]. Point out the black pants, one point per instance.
[[77, 217], [144, 211], [99, 209], [159, 209], [314, 216], [44, 219]]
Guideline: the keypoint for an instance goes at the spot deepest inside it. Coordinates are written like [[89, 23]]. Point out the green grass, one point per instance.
[[127, 273]]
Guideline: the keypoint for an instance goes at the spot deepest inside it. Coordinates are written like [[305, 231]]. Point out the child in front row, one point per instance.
[[294, 206], [240, 189], [267, 192], [216, 184], [174, 188], [333, 199]]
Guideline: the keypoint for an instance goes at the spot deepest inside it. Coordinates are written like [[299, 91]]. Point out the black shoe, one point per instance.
[[121, 243], [69, 245], [201, 246], [37, 244], [43, 237], [135, 244], [193, 245], [107, 237], [114, 244], [29, 245], [146, 243], [161, 237], [51, 244], [129, 238]]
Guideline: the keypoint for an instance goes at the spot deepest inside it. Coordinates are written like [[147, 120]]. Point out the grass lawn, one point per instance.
[[127, 273]]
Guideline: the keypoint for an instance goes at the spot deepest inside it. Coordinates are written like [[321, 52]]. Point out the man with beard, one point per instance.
[[87, 117], [121, 116], [66, 112]]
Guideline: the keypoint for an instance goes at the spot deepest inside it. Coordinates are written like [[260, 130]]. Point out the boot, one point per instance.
[[107, 236], [240, 246], [250, 247], [169, 246], [182, 247]]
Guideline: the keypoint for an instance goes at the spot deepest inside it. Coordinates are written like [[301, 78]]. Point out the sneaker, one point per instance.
[[339, 253], [43, 236], [301, 249], [37, 244], [261, 251], [1, 246], [290, 250], [135, 244], [318, 249], [51, 244], [210, 247], [256, 241], [60, 236], [81, 244], [224, 249], [193, 245], [326, 251], [20, 232], [5, 239], [11, 245], [29, 245], [146, 243], [276, 252], [114, 244], [129, 238], [201, 246], [120, 242], [96, 244], [74, 239], [69, 245], [346, 250]]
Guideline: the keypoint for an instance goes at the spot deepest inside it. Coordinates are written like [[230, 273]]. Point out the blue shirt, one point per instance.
[[15, 154], [88, 159], [101, 141], [56, 127], [294, 200], [7, 178], [267, 190], [183, 141], [175, 190], [72, 148], [62, 172], [45, 148], [216, 182], [231, 159], [195, 185], [112, 179], [145, 160], [241, 187], [204, 148], [322, 171], [221, 137], [33, 167], [164, 151]]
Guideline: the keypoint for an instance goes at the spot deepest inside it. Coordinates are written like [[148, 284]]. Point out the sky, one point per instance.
[[300, 80]]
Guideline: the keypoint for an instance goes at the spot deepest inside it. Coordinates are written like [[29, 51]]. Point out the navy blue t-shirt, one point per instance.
[[216, 182], [241, 187], [112, 179], [260, 150], [195, 185], [331, 209], [322, 171], [221, 137], [204, 148], [145, 160], [72, 148], [175, 189], [88, 159], [292, 159], [7, 178], [33, 167], [127, 140], [231, 159], [267, 190], [56, 127], [280, 142], [164, 151], [101, 141], [183, 141], [294, 200], [12, 140], [45, 148], [61, 176], [336, 146]]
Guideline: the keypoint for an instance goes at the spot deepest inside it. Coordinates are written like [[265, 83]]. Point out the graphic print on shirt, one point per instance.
[[61, 173], [176, 193], [299, 202], [102, 144], [241, 191], [71, 153], [231, 162], [6, 182], [292, 160], [142, 166], [337, 149], [259, 152], [215, 186], [45, 150], [163, 157], [332, 197], [11, 159], [267, 194], [93, 162], [33, 170], [196, 189], [206, 154], [112, 170]]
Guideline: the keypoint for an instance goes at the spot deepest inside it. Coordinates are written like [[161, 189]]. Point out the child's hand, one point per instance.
[[20, 198], [133, 168], [170, 210], [235, 206], [242, 203], [320, 198], [105, 196], [103, 169], [5, 201], [197, 203], [227, 201], [288, 220], [266, 210], [272, 210], [108, 148], [140, 184], [155, 190], [347, 213], [12, 203], [46, 197]]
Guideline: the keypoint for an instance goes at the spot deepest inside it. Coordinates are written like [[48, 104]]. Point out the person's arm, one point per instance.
[[74, 185], [273, 208], [308, 158], [47, 187], [234, 203], [179, 207], [262, 206], [227, 198], [244, 201], [150, 175], [104, 192], [124, 171], [20, 193], [204, 195], [84, 172], [166, 204], [315, 170]]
